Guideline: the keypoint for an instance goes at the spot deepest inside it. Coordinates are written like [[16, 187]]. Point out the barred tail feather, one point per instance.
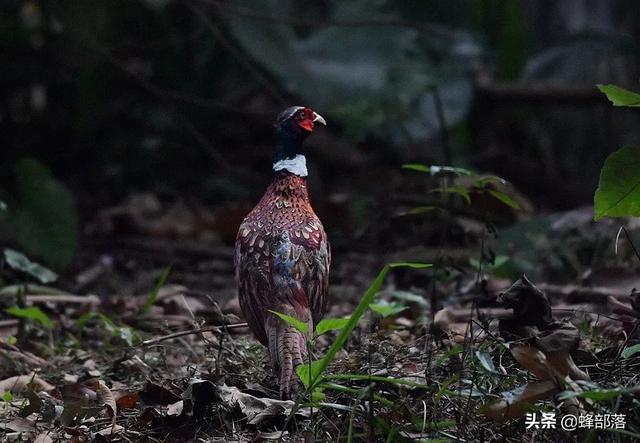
[[287, 349]]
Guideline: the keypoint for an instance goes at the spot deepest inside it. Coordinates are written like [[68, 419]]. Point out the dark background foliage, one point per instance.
[[177, 97]]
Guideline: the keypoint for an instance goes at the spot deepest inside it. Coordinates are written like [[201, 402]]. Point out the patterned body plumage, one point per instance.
[[282, 260]]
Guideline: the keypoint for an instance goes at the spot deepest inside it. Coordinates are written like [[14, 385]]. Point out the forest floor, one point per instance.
[[107, 362]]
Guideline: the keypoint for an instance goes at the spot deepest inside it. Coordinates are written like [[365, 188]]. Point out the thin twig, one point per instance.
[[156, 340], [624, 345], [626, 234]]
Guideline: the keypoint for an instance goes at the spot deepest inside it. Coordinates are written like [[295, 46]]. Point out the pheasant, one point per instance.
[[282, 254]]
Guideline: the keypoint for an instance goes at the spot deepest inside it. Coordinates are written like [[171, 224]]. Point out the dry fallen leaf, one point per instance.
[[43, 438], [19, 424], [111, 430], [520, 403], [559, 337], [256, 408], [534, 360], [105, 398], [175, 408], [441, 320], [564, 364], [20, 383], [70, 378], [127, 400]]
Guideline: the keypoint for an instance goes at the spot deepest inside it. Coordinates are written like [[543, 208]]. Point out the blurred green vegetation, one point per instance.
[[177, 97]]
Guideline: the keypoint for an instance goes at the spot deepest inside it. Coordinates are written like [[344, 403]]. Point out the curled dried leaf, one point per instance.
[[560, 337], [563, 363], [534, 360], [105, 398], [21, 383], [517, 405]]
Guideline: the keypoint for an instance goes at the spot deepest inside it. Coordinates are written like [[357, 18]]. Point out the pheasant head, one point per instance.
[[292, 126]]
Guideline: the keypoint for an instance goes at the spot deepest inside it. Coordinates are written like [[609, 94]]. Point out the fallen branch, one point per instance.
[[156, 340], [64, 299], [581, 292]]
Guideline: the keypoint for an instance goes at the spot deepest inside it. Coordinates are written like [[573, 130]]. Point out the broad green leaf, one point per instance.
[[620, 96], [408, 297], [500, 260], [7, 396], [30, 313], [377, 378], [434, 170], [602, 395], [504, 198], [486, 362], [630, 351], [34, 404], [416, 167], [412, 265], [18, 261], [331, 324], [109, 324], [84, 318], [593, 394], [486, 179], [444, 389], [299, 325], [308, 373], [422, 210], [455, 350], [457, 190], [317, 395], [124, 333], [355, 392], [386, 309], [618, 193], [151, 300], [313, 376], [45, 218]]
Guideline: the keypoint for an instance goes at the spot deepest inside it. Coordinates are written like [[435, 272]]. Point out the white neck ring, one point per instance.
[[296, 165]]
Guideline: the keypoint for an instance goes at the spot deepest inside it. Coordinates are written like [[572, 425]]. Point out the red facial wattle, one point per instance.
[[306, 124], [304, 119]]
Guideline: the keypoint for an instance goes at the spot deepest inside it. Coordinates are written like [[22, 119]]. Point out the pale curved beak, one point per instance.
[[319, 119]]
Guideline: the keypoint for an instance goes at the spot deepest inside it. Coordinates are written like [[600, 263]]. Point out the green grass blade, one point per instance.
[[311, 374], [151, 300], [299, 325]]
